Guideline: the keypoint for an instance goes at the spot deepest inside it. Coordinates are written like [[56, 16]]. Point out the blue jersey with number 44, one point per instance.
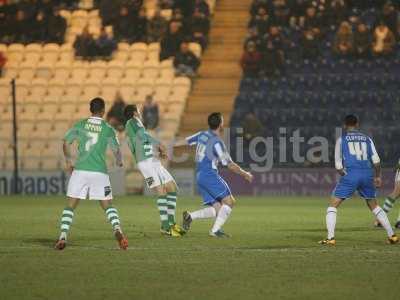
[[355, 153]]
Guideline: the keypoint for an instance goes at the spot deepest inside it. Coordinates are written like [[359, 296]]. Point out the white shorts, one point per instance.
[[87, 184], [154, 172]]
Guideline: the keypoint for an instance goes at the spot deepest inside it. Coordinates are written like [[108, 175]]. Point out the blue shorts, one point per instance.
[[361, 181], [212, 187]]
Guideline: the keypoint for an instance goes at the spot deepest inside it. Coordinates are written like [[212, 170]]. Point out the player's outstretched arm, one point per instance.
[[378, 175], [234, 167], [69, 167], [118, 157]]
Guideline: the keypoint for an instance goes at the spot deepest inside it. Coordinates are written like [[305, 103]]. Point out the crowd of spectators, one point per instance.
[[89, 47], [299, 29], [29, 21], [190, 22], [129, 21]]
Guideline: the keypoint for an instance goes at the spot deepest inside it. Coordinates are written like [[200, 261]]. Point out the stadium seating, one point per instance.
[[313, 96], [53, 89]]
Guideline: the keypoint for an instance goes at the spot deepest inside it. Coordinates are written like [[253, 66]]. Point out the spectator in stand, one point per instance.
[[57, 26], [362, 41], [310, 44], [185, 6], [185, 62], [124, 28], [171, 42], [105, 44], [85, 44], [273, 59], [20, 28], [344, 40], [261, 21], [298, 11], [253, 36], [282, 12], [336, 11], [150, 113], [255, 6], [251, 60], [109, 11], [199, 27], [384, 40], [115, 115], [39, 28], [4, 16], [252, 127], [141, 26], [311, 19], [156, 27], [391, 17], [203, 7], [166, 4], [3, 61]]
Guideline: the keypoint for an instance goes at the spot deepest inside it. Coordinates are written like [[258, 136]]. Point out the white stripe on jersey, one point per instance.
[[375, 157], [223, 156], [338, 154]]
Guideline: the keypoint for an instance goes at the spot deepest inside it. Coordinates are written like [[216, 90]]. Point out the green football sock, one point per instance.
[[388, 205], [171, 204], [66, 221], [113, 218], [162, 209]]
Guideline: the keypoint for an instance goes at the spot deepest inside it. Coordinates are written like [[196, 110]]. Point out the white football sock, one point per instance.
[[331, 221], [383, 219], [222, 216], [205, 213]]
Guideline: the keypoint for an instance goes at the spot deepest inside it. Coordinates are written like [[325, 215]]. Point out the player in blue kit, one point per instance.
[[358, 164], [216, 194]]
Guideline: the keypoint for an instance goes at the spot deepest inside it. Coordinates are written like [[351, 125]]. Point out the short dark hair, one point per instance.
[[214, 120], [130, 110], [351, 120], [97, 105]]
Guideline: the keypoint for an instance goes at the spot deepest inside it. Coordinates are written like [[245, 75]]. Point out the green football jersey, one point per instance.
[[93, 135], [139, 140]]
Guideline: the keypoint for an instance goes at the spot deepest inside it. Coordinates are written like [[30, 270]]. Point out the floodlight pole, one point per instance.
[[15, 138]]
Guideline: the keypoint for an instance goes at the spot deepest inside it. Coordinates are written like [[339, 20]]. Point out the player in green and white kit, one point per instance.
[[89, 177], [157, 178]]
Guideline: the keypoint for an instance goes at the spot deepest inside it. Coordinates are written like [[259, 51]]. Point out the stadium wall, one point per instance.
[[277, 182]]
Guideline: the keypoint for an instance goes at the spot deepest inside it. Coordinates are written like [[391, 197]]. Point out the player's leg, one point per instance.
[[100, 189], [330, 219], [77, 189], [162, 207], [113, 217], [208, 212], [344, 189], [212, 189], [223, 214], [381, 216], [66, 222], [391, 198], [171, 191]]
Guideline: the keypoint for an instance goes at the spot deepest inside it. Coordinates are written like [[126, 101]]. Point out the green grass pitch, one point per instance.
[[273, 253]]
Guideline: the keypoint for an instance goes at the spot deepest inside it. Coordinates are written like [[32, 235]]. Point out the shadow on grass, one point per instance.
[[44, 242]]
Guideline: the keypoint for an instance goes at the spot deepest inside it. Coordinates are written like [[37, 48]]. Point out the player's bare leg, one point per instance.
[[207, 212], [113, 218], [66, 221], [381, 216], [223, 214], [331, 213]]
